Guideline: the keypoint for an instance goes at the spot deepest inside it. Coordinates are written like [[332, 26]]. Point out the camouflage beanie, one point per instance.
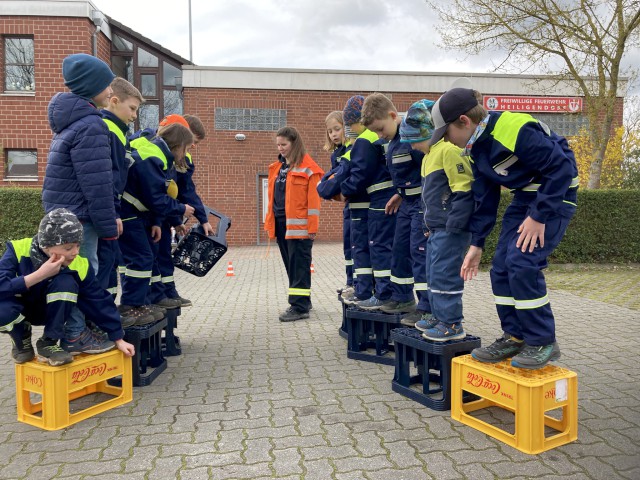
[[58, 227]]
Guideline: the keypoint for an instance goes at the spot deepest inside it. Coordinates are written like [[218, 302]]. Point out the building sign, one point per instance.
[[533, 104]]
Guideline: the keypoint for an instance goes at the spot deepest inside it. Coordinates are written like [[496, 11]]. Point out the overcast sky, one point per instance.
[[331, 34], [395, 35]]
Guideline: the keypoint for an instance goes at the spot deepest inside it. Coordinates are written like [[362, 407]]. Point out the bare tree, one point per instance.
[[580, 42]]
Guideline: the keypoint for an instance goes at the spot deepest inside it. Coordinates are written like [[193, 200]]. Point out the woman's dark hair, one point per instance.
[[297, 145]]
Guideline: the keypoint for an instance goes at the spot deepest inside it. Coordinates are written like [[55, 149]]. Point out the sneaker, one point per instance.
[[97, 331], [184, 302], [534, 357], [86, 342], [410, 319], [503, 348], [351, 299], [427, 321], [399, 307], [291, 315], [444, 332], [140, 315], [347, 291], [48, 351], [372, 303], [22, 350], [169, 303]]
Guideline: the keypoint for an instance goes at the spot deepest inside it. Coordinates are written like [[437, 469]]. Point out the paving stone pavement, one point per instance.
[[253, 398]]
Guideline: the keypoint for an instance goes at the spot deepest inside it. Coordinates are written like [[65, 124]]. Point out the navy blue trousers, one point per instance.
[[108, 260], [518, 282], [346, 243], [164, 286], [139, 255], [382, 228], [409, 257], [362, 271], [33, 307]]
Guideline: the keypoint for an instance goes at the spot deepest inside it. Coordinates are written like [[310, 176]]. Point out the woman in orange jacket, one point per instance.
[[292, 216]]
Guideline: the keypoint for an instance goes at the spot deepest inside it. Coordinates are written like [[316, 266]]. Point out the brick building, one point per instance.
[[254, 102]]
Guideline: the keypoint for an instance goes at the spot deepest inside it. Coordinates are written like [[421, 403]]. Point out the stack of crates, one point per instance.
[[148, 361], [369, 335], [432, 364]]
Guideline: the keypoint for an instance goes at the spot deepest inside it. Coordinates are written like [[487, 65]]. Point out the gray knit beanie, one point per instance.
[[58, 227]]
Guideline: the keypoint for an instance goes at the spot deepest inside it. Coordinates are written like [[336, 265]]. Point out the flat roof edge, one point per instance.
[[253, 78]]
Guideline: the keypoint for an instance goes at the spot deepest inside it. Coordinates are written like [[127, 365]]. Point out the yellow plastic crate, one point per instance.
[[58, 386], [528, 394]]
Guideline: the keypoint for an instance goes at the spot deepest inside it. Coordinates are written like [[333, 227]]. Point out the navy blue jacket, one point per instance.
[[329, 186], [187, 191], [93, 300], [120, 157], [338, 152], [146, 189], [368, 170], [79, 170], [521, 153], [404, 164]]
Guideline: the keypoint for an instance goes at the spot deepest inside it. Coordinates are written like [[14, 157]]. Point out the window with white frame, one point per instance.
[[19, 66], [21, 164]]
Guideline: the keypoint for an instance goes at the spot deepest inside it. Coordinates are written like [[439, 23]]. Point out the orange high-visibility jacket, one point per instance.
[[301, 199]]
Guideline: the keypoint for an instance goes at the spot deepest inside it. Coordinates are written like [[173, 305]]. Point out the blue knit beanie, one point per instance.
[[86, 76], [353, 110], [417, 126]]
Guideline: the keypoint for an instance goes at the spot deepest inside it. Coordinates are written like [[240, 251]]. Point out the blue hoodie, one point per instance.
[[79, 171]]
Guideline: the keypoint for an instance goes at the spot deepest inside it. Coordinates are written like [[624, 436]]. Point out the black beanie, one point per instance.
[[58, 227], [85, 75]]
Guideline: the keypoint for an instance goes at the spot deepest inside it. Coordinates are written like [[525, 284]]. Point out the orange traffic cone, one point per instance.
[[313, 270], [230, 270]]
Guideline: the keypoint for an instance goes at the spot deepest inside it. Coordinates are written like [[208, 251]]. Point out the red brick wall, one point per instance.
[[23, 119], [226, 169]]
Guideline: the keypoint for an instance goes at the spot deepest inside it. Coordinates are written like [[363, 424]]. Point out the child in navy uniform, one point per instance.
[[146, 203], [448, 204], [368, 187], [41, 280], [408, 271], [187, 194], [337, 142], [521, 153], [121, 110]]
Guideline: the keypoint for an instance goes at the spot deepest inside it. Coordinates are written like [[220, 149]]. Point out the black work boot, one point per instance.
[[291, 315], [22, 350]]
